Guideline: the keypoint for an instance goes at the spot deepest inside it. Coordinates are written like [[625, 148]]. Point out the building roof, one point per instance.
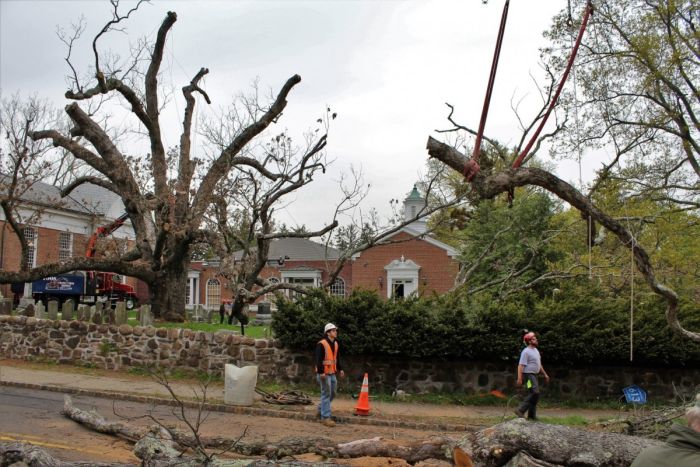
[[86, 199], [298, 249]]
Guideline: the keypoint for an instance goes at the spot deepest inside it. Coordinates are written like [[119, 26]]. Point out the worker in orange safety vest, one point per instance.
[[327, 366]]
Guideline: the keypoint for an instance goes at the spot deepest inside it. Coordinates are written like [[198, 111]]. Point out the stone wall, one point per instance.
[[120, 347]]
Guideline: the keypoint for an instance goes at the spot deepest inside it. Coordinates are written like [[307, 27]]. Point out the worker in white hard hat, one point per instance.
[[327, 366]]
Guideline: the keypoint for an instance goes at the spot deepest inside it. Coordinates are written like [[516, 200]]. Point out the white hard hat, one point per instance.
[[329, 327]]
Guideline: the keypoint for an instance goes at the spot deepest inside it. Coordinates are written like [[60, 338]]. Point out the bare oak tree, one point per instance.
[[170, 193]]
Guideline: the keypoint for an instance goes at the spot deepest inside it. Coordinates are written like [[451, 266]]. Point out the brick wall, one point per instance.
[[437, 270]]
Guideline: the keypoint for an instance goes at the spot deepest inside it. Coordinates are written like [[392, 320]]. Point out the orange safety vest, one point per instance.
[[330, 358]]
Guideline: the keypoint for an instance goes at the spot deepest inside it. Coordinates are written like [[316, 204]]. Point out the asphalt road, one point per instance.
[[34, 416]]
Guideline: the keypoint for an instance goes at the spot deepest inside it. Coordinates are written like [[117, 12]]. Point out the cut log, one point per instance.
[[154, 443], [555, 444], [24, 454], [98, 423], [437, 448]]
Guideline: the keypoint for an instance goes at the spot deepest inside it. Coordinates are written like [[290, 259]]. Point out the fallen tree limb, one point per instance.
[[438, 448], [556, 444], [152, 444], [98, 423], [24, 454]]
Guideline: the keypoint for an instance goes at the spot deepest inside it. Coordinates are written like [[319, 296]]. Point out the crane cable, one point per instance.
[[472, 167], [572, 57], [579, 152]]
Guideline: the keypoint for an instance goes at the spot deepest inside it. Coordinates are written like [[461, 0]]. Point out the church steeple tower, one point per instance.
[[412, 205]]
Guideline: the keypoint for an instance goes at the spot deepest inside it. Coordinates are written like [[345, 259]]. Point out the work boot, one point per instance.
[[327, 422], [519, 413]]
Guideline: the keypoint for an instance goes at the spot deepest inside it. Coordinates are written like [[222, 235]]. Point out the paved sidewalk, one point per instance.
[[123, 386]]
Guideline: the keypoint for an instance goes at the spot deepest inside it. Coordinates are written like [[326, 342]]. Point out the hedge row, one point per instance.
[[581, 324]]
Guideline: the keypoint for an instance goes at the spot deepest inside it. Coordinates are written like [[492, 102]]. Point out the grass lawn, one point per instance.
[[255, 332], [250, 331]]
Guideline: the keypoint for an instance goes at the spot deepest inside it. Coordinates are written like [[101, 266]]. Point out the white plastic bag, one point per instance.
[[239, 384]]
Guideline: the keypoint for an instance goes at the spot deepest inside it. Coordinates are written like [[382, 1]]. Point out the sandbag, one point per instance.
[[239, 384]]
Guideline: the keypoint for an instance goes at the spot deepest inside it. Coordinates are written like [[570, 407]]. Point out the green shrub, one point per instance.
[[579, 325]]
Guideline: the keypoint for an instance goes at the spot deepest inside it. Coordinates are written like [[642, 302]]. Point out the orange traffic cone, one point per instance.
[[362, 407]]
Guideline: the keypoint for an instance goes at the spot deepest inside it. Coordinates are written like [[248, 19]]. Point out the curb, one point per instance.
[[223, 408]]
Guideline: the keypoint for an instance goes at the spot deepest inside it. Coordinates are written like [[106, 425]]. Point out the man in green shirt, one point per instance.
[[682, 447]]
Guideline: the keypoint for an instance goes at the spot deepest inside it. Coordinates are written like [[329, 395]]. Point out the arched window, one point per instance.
[[338, 287], [213, 293]]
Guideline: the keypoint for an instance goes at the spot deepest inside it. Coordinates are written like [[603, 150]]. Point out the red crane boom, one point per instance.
[[103, 231]]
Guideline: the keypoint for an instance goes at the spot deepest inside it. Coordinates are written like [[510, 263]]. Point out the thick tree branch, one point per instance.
[[225, 161], [489, 186]]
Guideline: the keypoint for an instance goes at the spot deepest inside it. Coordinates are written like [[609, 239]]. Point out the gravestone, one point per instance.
[[145, 316], [5, 306], [53, 310], [99, 306], [67, 310], [28, 310], [24, 301], [96, 317], [83, 313], [120, 314], [109, 316], [264, 314], [199, 315], [40, 311], [210, 314]]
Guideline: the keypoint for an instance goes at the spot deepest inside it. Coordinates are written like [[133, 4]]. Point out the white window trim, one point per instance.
[[34, 243], [401, 269], [70, 246], [340, 280], [315, 275], [206, 291]]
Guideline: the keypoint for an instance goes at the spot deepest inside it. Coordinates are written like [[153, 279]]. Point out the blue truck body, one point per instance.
[[63, 284]]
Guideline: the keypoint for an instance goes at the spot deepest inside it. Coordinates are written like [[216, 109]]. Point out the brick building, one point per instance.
[[409, 261], [59, 228]]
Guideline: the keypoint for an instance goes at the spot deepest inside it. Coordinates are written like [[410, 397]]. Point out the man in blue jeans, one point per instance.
[[529, 366], [327, 365]]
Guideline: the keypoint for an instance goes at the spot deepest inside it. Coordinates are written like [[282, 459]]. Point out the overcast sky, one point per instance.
[[386, 67]]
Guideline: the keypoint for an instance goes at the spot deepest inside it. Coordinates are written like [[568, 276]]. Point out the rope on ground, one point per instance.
[[285, 397]]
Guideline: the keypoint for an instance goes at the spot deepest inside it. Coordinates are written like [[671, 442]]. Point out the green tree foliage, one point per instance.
[[637, 75], [508, 246], [670, 236]]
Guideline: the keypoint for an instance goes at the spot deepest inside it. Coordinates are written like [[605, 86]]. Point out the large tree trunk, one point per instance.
[[168, 292], [555, 444]]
